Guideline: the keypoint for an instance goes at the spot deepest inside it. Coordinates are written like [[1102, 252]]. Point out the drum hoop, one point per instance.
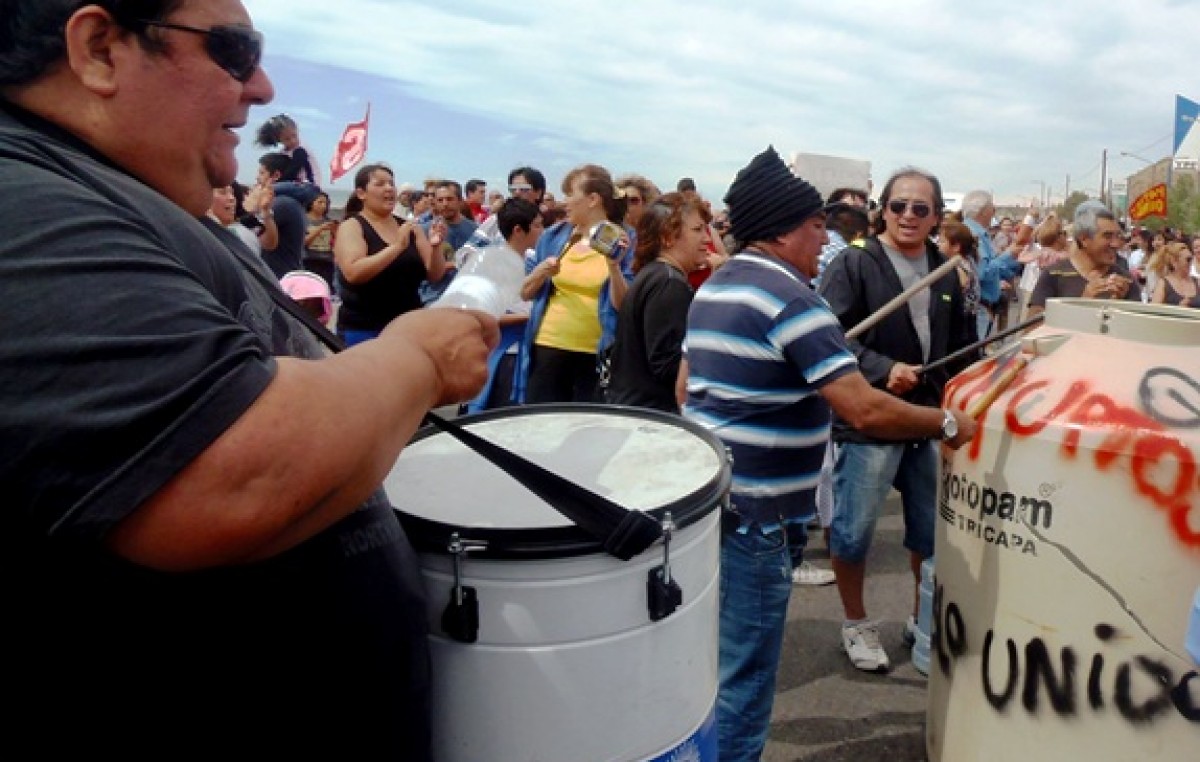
[[429, 536]]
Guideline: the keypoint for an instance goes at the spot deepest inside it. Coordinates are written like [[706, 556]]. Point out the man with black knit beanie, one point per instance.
[[766, 360]]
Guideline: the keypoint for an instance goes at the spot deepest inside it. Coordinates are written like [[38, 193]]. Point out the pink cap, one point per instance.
[[301, 284]]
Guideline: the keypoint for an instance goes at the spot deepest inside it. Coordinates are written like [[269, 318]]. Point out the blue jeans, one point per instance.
[[863, 476], [352, 337], [797, 540], [756, 582], [983, 322]]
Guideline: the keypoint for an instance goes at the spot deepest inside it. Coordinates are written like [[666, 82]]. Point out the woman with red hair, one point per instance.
[[653, 319]]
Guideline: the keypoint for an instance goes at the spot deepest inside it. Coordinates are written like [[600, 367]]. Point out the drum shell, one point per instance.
[[568, 664], [1068, 547]]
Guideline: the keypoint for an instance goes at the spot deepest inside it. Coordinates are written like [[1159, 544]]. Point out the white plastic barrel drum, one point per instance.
[[567, 663], [1068, 545]]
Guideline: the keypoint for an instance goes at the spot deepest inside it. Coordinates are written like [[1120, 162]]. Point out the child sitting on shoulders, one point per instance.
[[300, 179]]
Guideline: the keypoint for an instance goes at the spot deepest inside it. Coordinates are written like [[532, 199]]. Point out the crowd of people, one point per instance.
[[196, 479], [734, 318], [1018, 266], [401, 246]]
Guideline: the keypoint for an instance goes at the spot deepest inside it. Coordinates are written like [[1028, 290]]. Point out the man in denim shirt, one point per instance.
[[978, 210]]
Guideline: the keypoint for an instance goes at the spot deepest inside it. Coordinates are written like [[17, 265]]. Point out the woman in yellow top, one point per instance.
[[575, 292]]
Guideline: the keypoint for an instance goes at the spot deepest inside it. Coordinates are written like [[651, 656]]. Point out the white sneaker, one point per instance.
[[909, 636], [861, 642], [810, 576]]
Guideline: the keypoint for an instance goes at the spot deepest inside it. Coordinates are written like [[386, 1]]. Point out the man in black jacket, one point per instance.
[[856, 284]]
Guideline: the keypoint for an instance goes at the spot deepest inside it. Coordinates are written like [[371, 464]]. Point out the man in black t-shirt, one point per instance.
[[1093, 270], [198, 559]]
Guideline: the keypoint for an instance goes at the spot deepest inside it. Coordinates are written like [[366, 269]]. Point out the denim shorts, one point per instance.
[[863, 476]]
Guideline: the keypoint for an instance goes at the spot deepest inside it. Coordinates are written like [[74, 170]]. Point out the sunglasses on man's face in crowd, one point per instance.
[[920, 209], [519, 188], [236, 49], [634, 200]]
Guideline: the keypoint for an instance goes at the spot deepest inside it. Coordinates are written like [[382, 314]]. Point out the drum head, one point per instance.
[[639, 459]]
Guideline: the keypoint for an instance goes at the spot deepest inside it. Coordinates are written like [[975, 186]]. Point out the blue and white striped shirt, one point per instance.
[[760, 343]]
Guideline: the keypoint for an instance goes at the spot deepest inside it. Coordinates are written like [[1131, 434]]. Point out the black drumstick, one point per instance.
[[983, 343]]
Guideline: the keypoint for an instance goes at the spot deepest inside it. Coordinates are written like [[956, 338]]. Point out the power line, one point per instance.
[[1089, 173], [1163, 139], [1080, 179]]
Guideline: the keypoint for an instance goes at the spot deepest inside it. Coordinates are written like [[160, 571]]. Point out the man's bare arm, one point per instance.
[[311, 448]]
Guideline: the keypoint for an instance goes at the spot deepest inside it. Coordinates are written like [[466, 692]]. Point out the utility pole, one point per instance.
[[1103, 176], [1041, 193], [1067, 187]]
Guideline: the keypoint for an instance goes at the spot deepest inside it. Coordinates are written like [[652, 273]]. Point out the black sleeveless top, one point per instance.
[[372, 305], [1174, 297]]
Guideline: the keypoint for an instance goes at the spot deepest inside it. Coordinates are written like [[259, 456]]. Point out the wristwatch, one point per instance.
[[949, 425]]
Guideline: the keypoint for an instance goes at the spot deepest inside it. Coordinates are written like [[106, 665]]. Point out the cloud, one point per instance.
[[985, 94], [306, 114]]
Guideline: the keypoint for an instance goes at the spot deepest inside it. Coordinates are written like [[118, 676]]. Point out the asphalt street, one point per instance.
[[825, 709]]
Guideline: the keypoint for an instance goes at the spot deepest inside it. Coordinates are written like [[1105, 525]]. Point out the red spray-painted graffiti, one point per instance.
[[1163, 468]]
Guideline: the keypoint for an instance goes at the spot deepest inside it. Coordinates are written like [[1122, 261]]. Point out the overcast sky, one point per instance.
[[1004, 96]]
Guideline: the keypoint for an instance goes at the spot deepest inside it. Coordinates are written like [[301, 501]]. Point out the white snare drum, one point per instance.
[[567, 663]]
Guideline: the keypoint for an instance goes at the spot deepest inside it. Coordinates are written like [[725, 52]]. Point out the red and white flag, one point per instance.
[[351, 149]]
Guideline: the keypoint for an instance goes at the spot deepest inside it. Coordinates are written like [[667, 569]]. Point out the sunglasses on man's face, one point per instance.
[[634, 200], [236, 49], [920, 209], [515, 189]]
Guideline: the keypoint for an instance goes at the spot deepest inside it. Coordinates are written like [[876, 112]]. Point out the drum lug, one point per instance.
[[663, 593], [460, 619]]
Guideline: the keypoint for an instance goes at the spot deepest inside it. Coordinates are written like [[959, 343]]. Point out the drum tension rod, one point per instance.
[[663, 593], [460, 619]]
